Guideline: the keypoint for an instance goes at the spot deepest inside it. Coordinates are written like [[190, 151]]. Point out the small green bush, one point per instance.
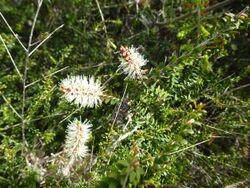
[[184, 123]]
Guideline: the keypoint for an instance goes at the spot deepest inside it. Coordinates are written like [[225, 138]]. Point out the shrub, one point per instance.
[[168, 106]]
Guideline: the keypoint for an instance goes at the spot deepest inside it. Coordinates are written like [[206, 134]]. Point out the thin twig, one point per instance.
[[239, 184], [41, 43], [102, 17], [243, 11], [218, 129], [11, 107], [129, 120], [46, 117], [32, 120], [91, 156], [26, 70], [53, 73], [184, 149], [68, 116], [235, 89], [120, 139], [214, 159], [126, 179], [15, 35], [109, 79], [223, 79], [230, 91], [12, 60], [118, 110], [98, 65], [35, 43], [123, 137], [56, 155], [10, 127], [33, 25]]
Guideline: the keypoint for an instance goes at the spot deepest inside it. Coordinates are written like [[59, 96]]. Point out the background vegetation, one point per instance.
[[187, 120]]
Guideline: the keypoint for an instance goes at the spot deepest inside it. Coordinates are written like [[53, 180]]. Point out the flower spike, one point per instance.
[[131, 62], [78, 134], [84, 91]]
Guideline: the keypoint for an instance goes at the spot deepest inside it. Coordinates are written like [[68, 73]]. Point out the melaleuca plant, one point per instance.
[[124, 94]]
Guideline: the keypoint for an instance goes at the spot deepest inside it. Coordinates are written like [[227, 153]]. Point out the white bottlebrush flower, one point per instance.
[[83, 90], [132, 62], [77, 135]]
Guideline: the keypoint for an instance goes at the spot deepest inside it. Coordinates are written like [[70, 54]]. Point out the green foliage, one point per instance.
[[190, 110], [126, 173]]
